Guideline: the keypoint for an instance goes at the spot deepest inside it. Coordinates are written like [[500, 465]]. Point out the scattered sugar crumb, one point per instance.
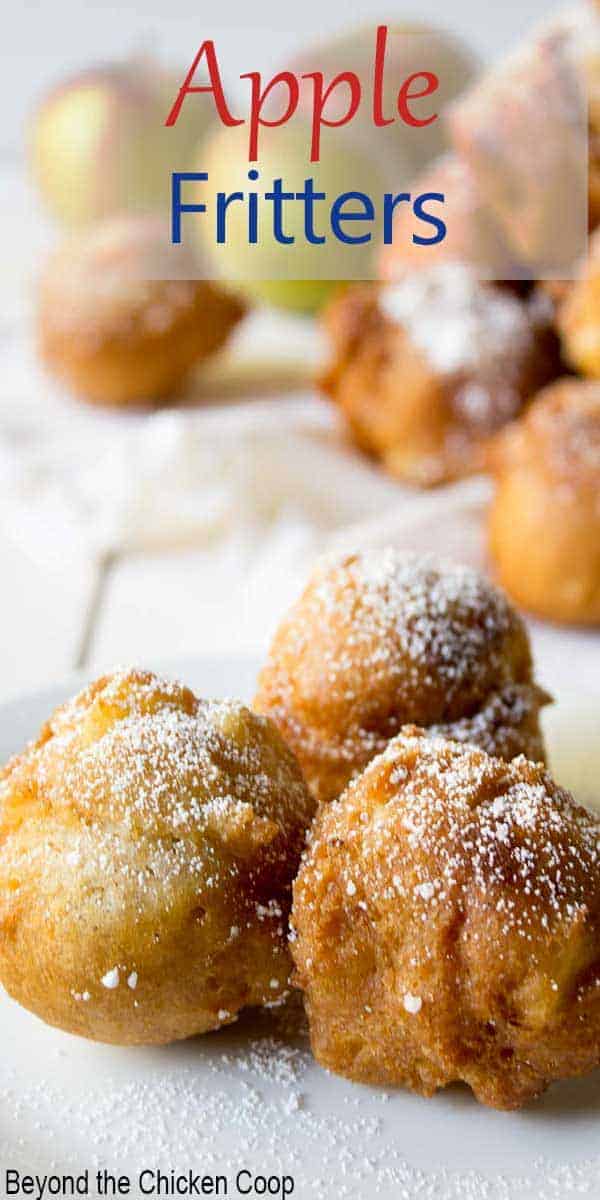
[[412, 1004]]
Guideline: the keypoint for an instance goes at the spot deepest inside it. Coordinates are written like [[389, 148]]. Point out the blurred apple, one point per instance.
[[410, 47], [99, 145], [298, 276], [297, 295], [357, 156]]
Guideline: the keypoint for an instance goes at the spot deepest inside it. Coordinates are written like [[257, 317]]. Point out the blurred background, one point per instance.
[[173, 459], [42, 43]]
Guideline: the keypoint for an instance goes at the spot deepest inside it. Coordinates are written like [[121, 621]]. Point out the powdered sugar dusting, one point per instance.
[[460, 323], [412, 1004], [446, 616], [419, 616], [161, 766], [121, 278], [389, 638], [502, 836], [385, 638], [111, 980]]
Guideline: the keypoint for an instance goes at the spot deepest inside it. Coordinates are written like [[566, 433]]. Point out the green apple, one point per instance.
[[297, 276], [99, 144], [296, 295]]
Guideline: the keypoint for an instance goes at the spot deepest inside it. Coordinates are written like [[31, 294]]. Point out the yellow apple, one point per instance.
[[99, 145], [301, 275]]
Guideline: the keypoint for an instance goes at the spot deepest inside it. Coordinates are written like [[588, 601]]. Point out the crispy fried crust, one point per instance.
[[381, 639], [428, 416], [544, 522], [113, 330], [148, 841], [447, 925]]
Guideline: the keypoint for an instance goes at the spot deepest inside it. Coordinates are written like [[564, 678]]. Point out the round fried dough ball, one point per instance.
[[425, 370], [544, 522], [148, 841], [120, 321], [446, 925], [382, 639]]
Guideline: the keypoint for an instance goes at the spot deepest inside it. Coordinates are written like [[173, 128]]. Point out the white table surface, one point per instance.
[[56, 616], [63, 609]]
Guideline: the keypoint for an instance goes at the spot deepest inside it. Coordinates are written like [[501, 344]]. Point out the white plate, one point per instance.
[[252, 1099]]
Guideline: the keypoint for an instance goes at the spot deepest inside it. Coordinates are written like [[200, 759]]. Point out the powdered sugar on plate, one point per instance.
[[254, 1099]]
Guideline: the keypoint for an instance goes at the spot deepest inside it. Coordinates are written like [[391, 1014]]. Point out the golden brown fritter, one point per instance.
[[447, 925], [594, 178], [148, 841], [382, 639], [113, 329], [427, 369], [544, 522], [579, 317]]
